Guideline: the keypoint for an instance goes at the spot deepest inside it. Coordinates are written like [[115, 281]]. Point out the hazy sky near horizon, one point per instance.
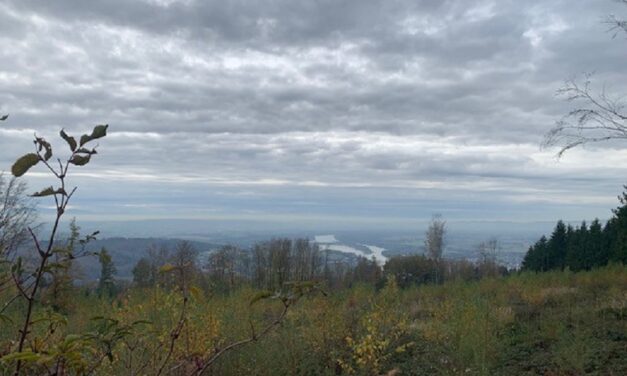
[[325, 111]]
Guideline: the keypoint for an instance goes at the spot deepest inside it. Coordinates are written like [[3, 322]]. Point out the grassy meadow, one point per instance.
[[554, 323]]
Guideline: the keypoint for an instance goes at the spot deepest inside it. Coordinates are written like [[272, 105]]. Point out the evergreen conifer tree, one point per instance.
[[556, 248], [619, 246], [595, 253], [106, 283]]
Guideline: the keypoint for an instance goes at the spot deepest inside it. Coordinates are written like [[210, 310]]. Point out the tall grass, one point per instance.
[[555, 323]]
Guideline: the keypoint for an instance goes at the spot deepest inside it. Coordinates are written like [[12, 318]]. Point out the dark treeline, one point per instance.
[[419, 269], [583, 247], [269, 264]]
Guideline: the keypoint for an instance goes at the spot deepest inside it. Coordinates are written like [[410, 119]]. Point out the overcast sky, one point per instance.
[[329, 111]]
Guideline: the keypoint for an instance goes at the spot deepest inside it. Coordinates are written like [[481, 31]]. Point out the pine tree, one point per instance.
[[528, 260], [572, 248], [536, 257], [596, 253], [577, 258], [556, 248], [144, 273], [610, 234], [582, 248], [106, 283], [619, 248]]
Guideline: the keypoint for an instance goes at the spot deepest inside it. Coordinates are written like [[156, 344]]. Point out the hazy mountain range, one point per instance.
[[128, 241]]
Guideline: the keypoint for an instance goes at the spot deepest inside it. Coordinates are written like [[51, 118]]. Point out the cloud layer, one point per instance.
[[380, 109]]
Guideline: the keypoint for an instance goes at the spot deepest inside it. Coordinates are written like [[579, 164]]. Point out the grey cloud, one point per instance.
[[338, 93]]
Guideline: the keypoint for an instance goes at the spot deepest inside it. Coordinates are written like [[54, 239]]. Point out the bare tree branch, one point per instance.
[[598, 117]]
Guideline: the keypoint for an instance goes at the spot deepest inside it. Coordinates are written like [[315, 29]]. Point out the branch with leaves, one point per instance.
[[176, 332], [28, 283], [288, 296]]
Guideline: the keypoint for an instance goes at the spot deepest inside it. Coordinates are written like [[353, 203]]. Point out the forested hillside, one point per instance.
[[582, 247]]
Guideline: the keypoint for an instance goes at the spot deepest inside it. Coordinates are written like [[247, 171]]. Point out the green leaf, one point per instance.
[[80, 160], [43, 144], [56, 266], [46, 192], [261, 295], [61, 251], [48, 147], [5, 319], [49, 192], [24, 164], [87, 151], [141, 322], [25, 356], [167, 268], [70, 140], [72, 338], [98, 132], [196, 292], [85, 139]]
